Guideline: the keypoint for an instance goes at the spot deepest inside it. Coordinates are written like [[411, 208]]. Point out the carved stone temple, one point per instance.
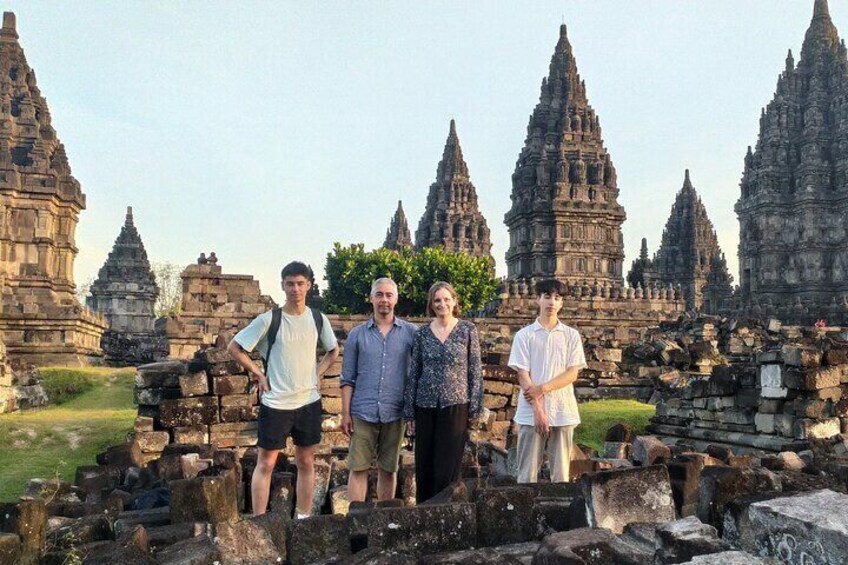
[[40, 201], [688, 253], [565, 219], [452, 218], [793, 250], [398, 236], [125, 292]]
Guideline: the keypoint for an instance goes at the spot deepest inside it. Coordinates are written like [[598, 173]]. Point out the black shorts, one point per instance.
[[303, 424]]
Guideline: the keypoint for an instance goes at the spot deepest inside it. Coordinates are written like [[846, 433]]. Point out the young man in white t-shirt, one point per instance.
[[548, 356], [290, 403]]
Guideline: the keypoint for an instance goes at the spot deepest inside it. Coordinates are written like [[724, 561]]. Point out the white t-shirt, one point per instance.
[[292, 367], [546, 354]]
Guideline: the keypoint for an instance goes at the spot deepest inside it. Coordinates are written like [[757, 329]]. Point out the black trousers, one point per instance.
[[440, 436]]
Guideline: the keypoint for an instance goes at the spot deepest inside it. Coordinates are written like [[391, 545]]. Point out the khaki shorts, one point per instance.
[[369, 439]]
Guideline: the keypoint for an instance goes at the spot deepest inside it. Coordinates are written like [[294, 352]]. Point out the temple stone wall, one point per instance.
[[213, 304], [40, 202]]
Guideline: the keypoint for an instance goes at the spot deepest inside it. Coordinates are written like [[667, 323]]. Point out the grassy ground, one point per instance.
[[57, 439], [598, 416]]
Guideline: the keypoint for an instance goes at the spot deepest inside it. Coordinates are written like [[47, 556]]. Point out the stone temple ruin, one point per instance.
[[125, 293], [40, 202]]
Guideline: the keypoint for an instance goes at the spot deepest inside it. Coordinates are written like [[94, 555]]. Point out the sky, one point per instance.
[[267, 131]]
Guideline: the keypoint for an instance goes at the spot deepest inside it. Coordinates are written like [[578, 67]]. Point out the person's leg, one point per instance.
[[424, 440], [559, 452], [260, 482], [388, 452], [529, 454], [306, 433], [452, 433], [304, 459], [363, 443]]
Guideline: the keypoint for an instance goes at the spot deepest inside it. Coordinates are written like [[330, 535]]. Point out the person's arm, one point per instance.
[[331, 346], [411, 387], [540, 415], [350, 362], [245, 341], [475, 375], [562, 380]]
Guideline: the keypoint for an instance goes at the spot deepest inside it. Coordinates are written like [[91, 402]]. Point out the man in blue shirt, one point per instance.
[[374, 372]]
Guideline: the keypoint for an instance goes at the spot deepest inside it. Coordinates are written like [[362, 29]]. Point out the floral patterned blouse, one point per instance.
[[445, 374]]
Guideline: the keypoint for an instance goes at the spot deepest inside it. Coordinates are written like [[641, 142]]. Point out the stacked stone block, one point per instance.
[[213, 304]]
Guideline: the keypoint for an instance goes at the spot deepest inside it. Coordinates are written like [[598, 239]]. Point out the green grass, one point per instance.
[[598, 416], [43, 442], [63, 384]]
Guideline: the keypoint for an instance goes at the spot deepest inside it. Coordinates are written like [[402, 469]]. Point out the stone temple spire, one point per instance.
[[689, 247], [398, 236], [40, 203], [794, 190], [125, 292], [452, 218], [565, 219]]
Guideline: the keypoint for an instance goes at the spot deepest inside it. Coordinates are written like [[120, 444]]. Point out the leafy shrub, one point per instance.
[[62, 385], [351, 270]]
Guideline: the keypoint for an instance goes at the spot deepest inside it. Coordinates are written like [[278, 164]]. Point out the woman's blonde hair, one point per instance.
[[431, 294]]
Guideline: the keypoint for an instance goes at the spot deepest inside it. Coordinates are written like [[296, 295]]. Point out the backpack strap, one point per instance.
[[273, 329], [319, 323]]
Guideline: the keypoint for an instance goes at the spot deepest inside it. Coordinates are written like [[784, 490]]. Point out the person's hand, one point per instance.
[[540, 421], [261, 381], [347, 424], [534, 393], [410, 428]]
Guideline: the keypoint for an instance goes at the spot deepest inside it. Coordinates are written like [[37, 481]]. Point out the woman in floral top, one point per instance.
[[444, 391]]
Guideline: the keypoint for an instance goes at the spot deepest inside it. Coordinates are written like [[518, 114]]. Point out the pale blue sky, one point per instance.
[[265, 131]]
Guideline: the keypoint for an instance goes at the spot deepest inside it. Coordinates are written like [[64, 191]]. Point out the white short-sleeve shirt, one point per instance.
[[546, 354], [292, 367]]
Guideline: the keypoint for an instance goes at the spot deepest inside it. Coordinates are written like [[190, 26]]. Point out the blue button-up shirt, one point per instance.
[[377, 368]]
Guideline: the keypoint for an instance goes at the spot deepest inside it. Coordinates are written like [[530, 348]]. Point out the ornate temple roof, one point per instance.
[[398, 235]]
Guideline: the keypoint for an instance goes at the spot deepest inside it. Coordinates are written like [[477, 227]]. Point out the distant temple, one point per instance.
[[565, 219], [793, 250], [40, 202], [398, 236], [452, 218], [688, 253], [125, 292]]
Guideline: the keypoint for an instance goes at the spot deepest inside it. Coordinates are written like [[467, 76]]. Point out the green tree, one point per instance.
[[351, 270]]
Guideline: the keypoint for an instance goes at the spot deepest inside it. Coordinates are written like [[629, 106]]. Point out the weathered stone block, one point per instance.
[[230, 414], [616, 450], [143, 424], [160, 374], [764, 422], [229, 384], [246, 543], [81, 531], [28, 520], [771, 376], [617, 498], [807, 528], [317, 539], [152, 442], [648, 450], [720, 485], [774, 392], [502, 515], [798, 356], [729, 558], [154, 396], [683, 539], [243, 400], [237, 434], [588, 545], [806, 428], [421, 530], [10, 549], [95, 478], [813, 378], [197, 434], [194, 384], [203, 499], [189, 411], [199, 550], [494, 401]]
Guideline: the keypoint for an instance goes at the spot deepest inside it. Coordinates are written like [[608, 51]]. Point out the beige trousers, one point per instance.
[[532, 448]]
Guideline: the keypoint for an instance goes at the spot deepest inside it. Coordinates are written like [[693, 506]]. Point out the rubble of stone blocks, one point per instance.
[[766, 386], [213, 304], [640, 501], [19, 389]]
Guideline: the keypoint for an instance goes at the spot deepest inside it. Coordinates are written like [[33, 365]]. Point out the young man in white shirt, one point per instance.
[[290, 403], [548, 356]]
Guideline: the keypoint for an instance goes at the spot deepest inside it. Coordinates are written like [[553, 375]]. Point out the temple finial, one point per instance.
[[821, 10], [9, 21], [452, 127]]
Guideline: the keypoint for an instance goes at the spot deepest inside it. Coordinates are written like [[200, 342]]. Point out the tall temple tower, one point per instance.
[[40, 202], [689, 250], [565, 219], [793, 249], [125, 292], [452, 218], [398, 236]]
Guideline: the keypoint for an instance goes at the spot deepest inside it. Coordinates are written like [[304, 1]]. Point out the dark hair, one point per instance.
[[296, 268], [550, 286], [431, 294]]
